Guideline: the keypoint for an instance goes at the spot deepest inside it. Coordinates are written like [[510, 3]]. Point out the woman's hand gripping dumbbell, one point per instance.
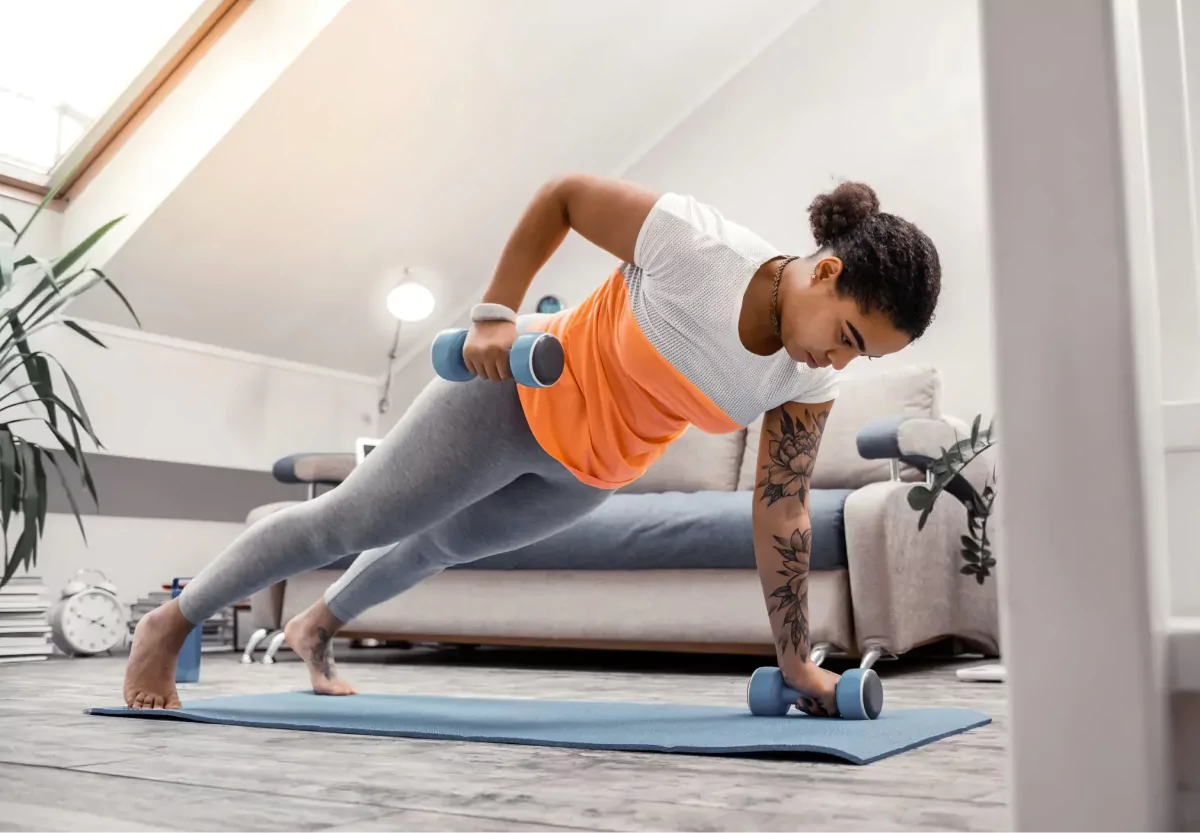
[[493, 350], [859, 694]]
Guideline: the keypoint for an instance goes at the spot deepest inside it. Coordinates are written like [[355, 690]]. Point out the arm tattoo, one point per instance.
[[793, 452], [792, 596]]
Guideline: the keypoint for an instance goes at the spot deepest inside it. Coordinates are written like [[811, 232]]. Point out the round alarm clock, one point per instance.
[[88, 618]]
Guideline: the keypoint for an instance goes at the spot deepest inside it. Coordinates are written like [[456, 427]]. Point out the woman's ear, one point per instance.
[[827, 269]]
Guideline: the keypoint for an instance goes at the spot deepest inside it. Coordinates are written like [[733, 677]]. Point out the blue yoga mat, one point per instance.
[[653, 727]]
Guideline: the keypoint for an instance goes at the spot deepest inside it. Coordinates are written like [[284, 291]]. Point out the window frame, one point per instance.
[[169, 66]]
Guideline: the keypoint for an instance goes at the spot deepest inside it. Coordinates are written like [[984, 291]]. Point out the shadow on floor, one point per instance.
[[921, 660]]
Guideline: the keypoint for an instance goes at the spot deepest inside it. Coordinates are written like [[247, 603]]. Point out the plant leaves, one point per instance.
[[975, 430], [7, 267], [119, 295], [83, 332], [64, 263], [41, 383], [924, 517], [39, 480], [8, 476], [970, 556], [76, 455], [969, 544], [968, 570], [920, 497], [67, 488]]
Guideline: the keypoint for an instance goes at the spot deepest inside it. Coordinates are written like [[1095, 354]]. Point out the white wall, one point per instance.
[[137, 554], [44, 237], [197, 114], [159, 399], [887, 93], [155, 398]]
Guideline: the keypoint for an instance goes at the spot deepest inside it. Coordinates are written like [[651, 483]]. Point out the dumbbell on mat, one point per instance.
[[859, 694], [536, 359]]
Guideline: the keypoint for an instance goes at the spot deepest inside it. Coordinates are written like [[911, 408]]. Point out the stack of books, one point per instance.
[[216, 632], [24, 626]]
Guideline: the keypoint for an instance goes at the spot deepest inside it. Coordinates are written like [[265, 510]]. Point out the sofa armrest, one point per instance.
[[325, 469], [917, 441]]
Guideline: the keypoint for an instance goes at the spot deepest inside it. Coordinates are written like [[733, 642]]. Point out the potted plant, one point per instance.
[[976, 546], [33, 291]]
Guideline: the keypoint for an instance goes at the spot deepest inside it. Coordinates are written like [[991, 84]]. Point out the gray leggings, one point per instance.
[[459, 477]]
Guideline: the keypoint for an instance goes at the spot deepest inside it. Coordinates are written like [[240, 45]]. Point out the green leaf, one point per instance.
[[64, 263], [83, 414], [969, 544], [120, 295], [72, 325], [924, 517], [8, 476], [919, 497], [975, 430], [22, 553], [67, 488], [77, 457], [33, 369], [39, 479], [972, 557], [7, 267], [968, 570], [7, 222], [46, 200]]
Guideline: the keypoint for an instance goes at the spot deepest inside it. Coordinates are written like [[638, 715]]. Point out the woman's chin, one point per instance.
[[802, 356]]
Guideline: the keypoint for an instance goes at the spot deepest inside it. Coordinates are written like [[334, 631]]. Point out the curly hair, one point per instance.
[[888, 264]]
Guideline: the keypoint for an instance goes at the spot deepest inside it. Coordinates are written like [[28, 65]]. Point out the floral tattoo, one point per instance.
[[793, 451], [792, 596]]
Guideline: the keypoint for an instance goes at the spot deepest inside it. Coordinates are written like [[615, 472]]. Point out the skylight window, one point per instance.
[[66, 64]]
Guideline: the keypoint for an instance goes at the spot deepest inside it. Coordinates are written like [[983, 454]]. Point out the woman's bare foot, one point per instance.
[[150, 673], [309, 635]]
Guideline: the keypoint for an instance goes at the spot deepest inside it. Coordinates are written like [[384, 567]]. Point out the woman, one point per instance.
[[703, 324]]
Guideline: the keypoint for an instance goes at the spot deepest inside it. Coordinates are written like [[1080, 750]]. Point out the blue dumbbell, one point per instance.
[[536, 359], [859, 694]]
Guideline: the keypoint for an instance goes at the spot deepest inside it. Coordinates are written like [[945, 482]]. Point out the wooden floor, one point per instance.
[[63, 770]]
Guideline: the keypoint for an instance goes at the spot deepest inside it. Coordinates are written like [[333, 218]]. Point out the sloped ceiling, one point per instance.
[[413, 133]]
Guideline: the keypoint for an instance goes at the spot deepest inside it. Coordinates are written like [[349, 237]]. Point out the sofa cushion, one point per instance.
[[915, 390], [696, 462]]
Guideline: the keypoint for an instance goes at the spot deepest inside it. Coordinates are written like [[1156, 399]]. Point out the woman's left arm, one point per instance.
[[787, 452]]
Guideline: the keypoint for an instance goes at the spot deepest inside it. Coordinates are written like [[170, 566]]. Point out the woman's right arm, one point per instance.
[[606, 212]]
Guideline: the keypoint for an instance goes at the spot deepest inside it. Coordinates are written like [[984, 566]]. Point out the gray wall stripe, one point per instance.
[[131, 488]]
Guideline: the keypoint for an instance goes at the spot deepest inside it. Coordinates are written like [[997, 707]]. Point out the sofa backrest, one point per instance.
[[696, 462], [913, 389]]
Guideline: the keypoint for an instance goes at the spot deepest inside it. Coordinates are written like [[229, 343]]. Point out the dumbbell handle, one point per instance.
[[535, 359]]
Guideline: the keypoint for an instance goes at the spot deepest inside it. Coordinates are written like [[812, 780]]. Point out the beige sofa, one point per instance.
[[878, 586]]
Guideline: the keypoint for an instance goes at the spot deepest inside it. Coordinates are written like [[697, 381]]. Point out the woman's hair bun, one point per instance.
[[835, 214]]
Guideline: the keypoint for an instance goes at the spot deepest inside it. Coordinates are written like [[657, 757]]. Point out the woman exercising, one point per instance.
[[704, 323]]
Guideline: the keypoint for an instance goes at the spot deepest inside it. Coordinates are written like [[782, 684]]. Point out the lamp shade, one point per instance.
[[410, 302]]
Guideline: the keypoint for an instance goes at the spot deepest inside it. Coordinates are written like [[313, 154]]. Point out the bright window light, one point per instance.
[[65, 62], [410, 302]]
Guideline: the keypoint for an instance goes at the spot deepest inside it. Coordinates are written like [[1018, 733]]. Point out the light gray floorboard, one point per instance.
[[63, 770]]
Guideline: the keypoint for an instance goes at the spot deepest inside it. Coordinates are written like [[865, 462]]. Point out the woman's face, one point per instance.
[[823, 329]]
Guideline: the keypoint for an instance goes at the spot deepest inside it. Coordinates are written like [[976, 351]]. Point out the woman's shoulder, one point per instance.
[[691, 227]]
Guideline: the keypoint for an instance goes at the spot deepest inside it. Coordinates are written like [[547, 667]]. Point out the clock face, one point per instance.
[[93, 621]]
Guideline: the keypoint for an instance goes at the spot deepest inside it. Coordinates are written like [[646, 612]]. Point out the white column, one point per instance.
[[1081, 544], [1189, 22], [1172, 193]]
